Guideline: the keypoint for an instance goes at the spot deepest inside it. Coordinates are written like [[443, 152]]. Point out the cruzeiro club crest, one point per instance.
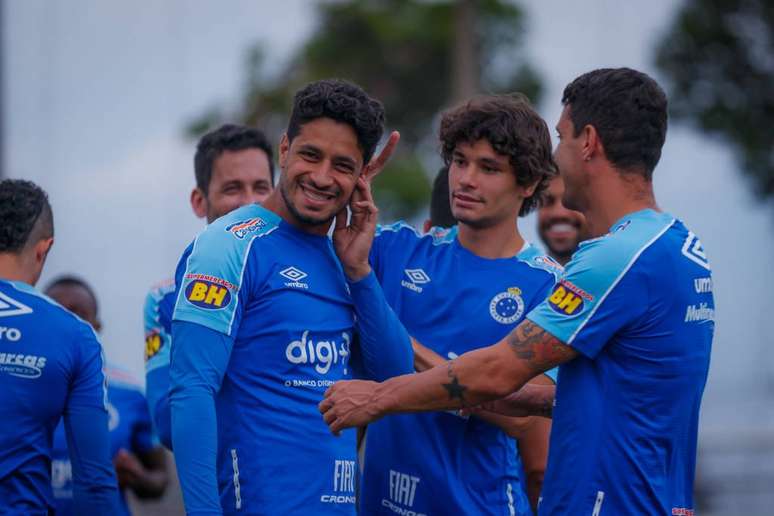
[[507, 307]]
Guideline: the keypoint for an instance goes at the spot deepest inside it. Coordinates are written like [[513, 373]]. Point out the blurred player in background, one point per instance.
[[233, 166], [441, 215], [264, 322], [452, 289], [50, 369], [631, 322], [139, 460], [560, 229]]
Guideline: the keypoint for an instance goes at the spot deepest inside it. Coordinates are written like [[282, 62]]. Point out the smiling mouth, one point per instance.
[[561, 227], [317, 195]]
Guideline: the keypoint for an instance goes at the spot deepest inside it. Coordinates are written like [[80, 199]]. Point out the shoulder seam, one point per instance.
[[618, 279]]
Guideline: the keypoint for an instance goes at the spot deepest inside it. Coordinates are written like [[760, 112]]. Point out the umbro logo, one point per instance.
[[295, 276], [694, 251], [9, 307], [416, 277]]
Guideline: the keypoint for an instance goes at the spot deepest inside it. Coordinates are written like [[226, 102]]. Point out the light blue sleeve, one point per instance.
[[199, 361], [158, 341], [385, 346], [86, 427], [601, 291]]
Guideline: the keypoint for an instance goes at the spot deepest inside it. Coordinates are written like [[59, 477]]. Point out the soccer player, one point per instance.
[[139, 461], [233, 166], [454, 290], [560, 229], [264, 322], [631, 324], [50, 368]]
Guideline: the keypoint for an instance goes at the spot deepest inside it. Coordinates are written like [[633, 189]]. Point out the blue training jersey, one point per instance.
[[130, 429], [452, 301], [280, 296], [637, 305], [157, 326], [50, 368]]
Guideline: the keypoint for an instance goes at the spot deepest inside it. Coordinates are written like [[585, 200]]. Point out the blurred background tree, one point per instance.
[[416, 56], [719, 57]]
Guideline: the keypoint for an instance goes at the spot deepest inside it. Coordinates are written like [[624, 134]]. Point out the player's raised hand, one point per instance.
[[353, 241], [376, 165], [348, 404]]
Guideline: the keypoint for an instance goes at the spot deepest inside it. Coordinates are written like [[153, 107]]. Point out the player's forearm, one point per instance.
[[385, 345], [473, 378], [530, 400], [425, 358]]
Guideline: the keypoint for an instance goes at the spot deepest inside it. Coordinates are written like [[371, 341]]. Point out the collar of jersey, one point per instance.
[[468, 255]]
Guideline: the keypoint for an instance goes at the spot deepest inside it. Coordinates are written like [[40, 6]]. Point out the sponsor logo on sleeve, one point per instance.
[[568, 299], [153, 345], [208, 292], [243, 228], [694, 251], [507, 307]]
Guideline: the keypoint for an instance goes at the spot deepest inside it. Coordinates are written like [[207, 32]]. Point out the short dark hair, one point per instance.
[[73, 281], [24, 210], [228, 137], [628, 109], [513, 128], [440, 206], [343, 102]]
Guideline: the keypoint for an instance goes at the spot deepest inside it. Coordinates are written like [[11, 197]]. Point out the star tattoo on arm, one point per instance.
[[455, 389]]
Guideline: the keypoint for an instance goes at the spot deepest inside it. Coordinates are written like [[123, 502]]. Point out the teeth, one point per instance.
[[561, 227], [317, 196]]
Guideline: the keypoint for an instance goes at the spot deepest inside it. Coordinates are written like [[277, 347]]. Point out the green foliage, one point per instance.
[[401, 52], [719, 57]]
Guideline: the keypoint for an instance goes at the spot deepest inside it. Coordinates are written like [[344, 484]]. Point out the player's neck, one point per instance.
[[616, 200], [497, 241], [12, 269]]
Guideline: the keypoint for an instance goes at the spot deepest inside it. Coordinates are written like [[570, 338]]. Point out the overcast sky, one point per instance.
[[98, 93]]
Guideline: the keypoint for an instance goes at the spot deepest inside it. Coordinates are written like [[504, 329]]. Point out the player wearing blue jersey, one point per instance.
[[498, 150], [233, 166], [50, 369], [139, 461], [631, 322], [264, 322]]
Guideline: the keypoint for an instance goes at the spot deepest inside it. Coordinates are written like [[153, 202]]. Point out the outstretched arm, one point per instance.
[[482, 375]]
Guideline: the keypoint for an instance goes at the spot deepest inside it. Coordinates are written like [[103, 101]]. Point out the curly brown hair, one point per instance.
[[513, 128]]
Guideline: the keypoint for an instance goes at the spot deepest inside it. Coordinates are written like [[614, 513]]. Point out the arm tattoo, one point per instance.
[[538, 348], [455, 389]]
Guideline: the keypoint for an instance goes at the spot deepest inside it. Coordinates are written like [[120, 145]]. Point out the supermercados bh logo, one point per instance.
[[507, 307], [22, 366], [208, 292], [568, 299], [416, 278], [244, 227], [153, 344], [295, 276]]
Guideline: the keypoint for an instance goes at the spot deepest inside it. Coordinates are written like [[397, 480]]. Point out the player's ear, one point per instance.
[[284, 148], [42, 248], [592, 144], [199, 202]]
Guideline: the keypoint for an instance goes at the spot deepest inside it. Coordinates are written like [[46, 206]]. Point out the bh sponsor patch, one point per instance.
[[152, 345], [207, 294], [568, 299], [244, 227]]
